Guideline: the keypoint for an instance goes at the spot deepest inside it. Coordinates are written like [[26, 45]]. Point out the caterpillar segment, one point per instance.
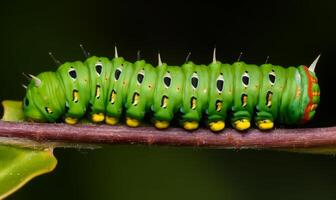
[[105, 90]]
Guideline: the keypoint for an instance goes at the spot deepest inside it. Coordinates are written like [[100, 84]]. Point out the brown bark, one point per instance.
[[229, 138]]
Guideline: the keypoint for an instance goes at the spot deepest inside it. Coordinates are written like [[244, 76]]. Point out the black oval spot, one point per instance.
[[117, 74], [245, 79], [140, 78], [48, 110], [271, 77], [243, 99], [73, 74], [99, 68], [167, 81], [26, 102], [220, 84], [66, 108], [194, 82]]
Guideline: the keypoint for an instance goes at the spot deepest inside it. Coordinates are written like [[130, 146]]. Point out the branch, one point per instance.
[[229, 138]]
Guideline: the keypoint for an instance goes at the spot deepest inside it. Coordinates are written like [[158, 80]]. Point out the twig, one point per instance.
[[104, 134]]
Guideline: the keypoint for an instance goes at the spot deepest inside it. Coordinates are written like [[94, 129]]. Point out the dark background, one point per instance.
[[290, 32]]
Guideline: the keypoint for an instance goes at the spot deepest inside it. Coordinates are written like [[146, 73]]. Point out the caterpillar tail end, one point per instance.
[[217, 126], [98, 117], [161, 124], [131, 122], [265, 124], [71, 120], [190, 125], [111, 120], [242, 124]]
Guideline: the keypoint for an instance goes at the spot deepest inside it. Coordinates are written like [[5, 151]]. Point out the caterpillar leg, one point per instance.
[[161, 124], [265, 124], [190, 125], [131, 122], [97, 117], [241, 124], [71, 120], [111, 120], [217, 125]]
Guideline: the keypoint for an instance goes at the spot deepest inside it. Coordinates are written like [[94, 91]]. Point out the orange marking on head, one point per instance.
[[308, 108]]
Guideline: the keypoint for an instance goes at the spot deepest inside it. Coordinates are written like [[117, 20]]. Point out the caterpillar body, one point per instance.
[[106, 90]]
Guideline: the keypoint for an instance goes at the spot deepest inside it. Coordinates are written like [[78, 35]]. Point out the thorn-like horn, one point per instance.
[[26, 75], [115, 51], [214, 56], [139, 55], [24, 86], [188, 56], [313, 65], [159, 60], [37, 81], [267, 58], [239, 57], [57, 62], [86, 53]]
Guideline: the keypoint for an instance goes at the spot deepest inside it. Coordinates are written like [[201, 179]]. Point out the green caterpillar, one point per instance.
[[107, 89]]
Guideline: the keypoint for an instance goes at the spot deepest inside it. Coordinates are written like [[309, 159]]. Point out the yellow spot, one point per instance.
[[49, 111], [97, 117], [132, 122], [136, 99], [265, 124], [244, 100], [316, 93], [97, 91], [242, 124], [193, 103], [269, 100], [161, 124], [217, 126], [190, 125], [75, 96], [219, 106], [164, 101], [71, 120], [111, 120], [113, 96]]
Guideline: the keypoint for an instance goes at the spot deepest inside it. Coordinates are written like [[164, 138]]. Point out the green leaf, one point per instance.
[[12, 111], [19, 165]]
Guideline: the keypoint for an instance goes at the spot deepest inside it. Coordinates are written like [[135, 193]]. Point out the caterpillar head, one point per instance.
[[300, 96], [44, 98], [311, 91]]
